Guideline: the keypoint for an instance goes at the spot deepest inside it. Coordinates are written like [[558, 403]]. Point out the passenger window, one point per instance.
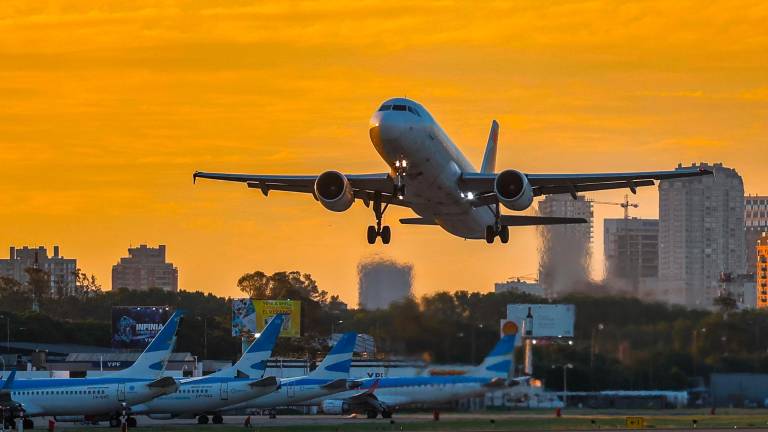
[[385, 108], [399, 108]]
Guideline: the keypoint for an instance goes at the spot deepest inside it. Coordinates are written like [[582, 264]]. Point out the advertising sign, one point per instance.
[[134, 327], [542, 320], [251, 316]]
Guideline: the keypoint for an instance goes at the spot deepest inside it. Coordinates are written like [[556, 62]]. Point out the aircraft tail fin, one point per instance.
[[489, 158], [498, 363], [253, 363], [336, 364], [151, 363]]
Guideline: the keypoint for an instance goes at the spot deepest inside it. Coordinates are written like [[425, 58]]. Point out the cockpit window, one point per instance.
[[385, 108], [413, 110], [399, 108]]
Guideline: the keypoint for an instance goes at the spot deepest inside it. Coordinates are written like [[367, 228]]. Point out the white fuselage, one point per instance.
[[435, 165], [80, 396], [401, 391], [202, 395]]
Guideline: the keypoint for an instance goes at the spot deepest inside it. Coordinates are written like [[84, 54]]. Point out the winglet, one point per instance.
[[489, 159], [194, 177]]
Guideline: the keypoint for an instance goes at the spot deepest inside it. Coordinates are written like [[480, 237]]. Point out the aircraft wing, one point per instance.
[[364, 185], [481, 184]]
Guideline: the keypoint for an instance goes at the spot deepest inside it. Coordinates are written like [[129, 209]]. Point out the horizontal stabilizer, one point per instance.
[[269, 381], [509, 220], [163, 383], [417, 221], [496, 383], [337, 384]]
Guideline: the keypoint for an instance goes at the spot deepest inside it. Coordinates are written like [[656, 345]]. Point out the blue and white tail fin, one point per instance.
[[253, 363], [498, 363], [336, 364], [151, 363], [489, 158]]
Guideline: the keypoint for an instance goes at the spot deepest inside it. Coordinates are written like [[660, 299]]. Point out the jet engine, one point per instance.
[[334, 191], [513, 190], [334, 406]]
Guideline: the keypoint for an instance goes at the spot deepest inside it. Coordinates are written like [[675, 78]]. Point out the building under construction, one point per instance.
[[632, 256], [565, 249]]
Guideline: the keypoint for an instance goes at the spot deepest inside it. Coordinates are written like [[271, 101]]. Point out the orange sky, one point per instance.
[[105, 112]]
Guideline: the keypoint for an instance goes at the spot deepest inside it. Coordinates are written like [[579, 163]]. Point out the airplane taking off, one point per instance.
[[430, 175]]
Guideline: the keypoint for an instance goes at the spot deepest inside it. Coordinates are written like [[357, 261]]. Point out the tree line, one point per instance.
[[620, 342]]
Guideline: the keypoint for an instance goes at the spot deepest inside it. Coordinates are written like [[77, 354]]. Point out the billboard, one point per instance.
[[250, 316], [134, 327], [541, 320]]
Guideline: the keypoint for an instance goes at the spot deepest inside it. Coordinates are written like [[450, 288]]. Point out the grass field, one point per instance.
[[488, 421]]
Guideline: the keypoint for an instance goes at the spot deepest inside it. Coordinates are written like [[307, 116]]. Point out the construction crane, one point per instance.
[[625, 205]]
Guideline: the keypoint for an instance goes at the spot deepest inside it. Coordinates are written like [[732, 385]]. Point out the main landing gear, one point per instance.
[[497, 229], [379, 231]]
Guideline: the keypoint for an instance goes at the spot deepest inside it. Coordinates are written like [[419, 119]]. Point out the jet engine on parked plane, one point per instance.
[[334, 406], [513, 190], [333, 191]]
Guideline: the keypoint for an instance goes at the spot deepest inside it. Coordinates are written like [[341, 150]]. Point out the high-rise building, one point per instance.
[[382, 282], [61, 270], [755, 223], [761, 271], [145, 268], [632, 256], [701, 235], [565, 249]]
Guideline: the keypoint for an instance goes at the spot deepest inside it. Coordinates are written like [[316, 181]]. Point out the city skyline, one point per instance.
[[107, 112]]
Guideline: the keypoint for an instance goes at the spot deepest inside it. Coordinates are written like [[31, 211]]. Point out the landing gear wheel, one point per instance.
[[202, 419], [28, 423], [504, 234], [132, 423], [386, 234], [372, 234], [386, 414], [115, 422], [217, 419], [372, 414], [490, 234]]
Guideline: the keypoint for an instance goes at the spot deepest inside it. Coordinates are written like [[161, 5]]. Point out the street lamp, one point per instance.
[[592, 346], [333, 325], [565, 380]]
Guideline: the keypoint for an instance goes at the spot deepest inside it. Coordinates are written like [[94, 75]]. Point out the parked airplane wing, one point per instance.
[[546, 184]]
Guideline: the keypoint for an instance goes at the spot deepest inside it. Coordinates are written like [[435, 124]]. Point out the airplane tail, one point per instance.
[[498, 363], [253, 363], [336, 364], [489, 158], [151, 363]]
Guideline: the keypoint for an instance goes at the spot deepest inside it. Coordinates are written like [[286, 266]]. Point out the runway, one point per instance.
[[453, 422]]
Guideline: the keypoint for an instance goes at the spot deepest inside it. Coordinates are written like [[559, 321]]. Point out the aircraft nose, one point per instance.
[[386, 126]]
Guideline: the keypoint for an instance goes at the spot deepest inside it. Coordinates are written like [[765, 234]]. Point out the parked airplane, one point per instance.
[[330, 377], [71, 399], [443, 187], [384, 395], [238, 383]]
